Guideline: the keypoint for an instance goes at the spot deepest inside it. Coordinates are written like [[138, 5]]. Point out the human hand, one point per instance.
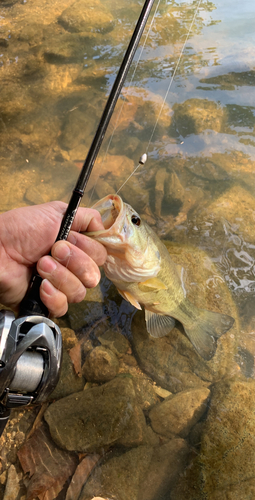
[[27, 235]]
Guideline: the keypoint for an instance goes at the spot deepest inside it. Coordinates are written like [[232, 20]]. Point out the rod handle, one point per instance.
[[32, 305]]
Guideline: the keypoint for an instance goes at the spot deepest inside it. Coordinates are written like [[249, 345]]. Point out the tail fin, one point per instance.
[[209, 327]]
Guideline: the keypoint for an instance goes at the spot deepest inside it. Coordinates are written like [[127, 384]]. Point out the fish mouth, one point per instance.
[[110, 209]]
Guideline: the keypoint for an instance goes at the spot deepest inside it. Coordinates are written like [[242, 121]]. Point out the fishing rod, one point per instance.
[[31, 345]]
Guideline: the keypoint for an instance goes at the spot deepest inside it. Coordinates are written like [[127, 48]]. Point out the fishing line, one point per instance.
[[167, 92], [123, 102], [174, 73]]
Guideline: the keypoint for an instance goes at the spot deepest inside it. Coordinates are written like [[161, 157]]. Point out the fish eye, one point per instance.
[[135, 220]]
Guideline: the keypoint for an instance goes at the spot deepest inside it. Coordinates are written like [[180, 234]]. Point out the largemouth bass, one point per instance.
[[139, 265]]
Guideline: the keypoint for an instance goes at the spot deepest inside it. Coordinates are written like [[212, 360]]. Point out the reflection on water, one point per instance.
[[154, 421]]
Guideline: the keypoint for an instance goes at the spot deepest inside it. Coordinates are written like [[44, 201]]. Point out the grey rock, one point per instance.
[[97, 417], [101, 365], [180, 412]]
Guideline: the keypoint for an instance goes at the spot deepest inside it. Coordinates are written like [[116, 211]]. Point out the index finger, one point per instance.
[[87, 219]]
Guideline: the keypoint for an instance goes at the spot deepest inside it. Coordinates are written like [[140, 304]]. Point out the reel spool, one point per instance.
[[30, 359]]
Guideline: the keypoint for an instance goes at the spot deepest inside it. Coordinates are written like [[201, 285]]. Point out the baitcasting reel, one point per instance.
[[30, 359]]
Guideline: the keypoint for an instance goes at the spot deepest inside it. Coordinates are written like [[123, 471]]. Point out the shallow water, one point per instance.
[[197, 190]]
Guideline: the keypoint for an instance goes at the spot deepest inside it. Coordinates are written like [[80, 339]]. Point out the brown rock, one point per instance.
[[97, 417], [12, 488], [179, 413], [101, 365], [225, 468], [196, 115], [94, 18], [153, 471]]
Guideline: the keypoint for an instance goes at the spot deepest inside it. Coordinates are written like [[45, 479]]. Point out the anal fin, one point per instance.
[[158, 325]]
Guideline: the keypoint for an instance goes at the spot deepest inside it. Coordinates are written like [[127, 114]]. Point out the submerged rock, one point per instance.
[[197, 115], [101, 365], [12, 488], [225, 467], [68, 382], [93, 17], [178, 414], [144, 473], [113, 340], [97, 417]]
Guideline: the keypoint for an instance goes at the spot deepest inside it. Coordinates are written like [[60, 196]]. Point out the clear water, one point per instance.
[[198, 186]]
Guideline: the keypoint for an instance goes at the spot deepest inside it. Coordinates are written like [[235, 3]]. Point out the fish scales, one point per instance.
[[139, 265]]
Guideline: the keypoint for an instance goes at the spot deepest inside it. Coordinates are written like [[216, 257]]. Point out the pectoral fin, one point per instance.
[[130, 298], [158, 325], [153, 283]]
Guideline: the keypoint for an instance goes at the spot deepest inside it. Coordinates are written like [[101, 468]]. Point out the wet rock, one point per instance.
[[194, 116], [160, 179], [101, 365], [121, 165], [236, 206], [69, 338], [113, 340], [227, 455], [153, 470], [174, 189], [206, 168], [137, 191], [82, 314], [12, 488], [172, 361], [148, 106], [95, 418], [95, 18], [178, 414], [162, 393], [136, 430], [4, 43], [14, 435], [195, 435], [64, 48], [225, 229], [68, 382], [75, 128], [145, 393]]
